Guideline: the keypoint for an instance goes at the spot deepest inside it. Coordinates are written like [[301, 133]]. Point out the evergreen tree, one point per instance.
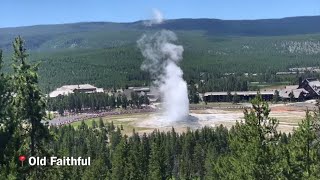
[[291, 96], [146, 100], [97, 170], [4, 102], [235, 98], [101, 124], [141, 101], [4, 92], [229, 97], [156, 161], [186, 156], [94, 124], [135, 99], [119, 160], [9, 132], [134, 158], [276, 96], [115, 137], [145, 153], [213, 171], [304, 147], [124, 101], [252, 145], [119, 101], [196, 98], [199, 162], [29, 102], [112, 101]]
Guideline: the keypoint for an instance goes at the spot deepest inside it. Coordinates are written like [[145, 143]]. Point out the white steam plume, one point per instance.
[[157, 18], [161, 60]]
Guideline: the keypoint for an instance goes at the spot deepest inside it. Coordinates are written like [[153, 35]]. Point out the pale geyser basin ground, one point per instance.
[[288, 120]]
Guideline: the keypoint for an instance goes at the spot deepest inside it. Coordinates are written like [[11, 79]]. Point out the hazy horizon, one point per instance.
[[33, 12], [45, 24]]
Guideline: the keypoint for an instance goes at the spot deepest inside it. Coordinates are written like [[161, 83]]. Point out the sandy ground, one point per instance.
[[211, 115], [289, 115]]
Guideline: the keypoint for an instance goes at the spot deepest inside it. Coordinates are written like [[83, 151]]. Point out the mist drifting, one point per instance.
[[162, 59], [157, 18]]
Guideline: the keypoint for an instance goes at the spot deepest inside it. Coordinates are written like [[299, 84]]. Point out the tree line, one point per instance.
[[82, 102]]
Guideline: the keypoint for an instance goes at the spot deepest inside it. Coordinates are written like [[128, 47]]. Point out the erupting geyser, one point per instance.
[[162, 59]]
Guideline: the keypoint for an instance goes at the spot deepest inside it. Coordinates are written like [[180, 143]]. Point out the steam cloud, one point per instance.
[[161, 61], [157, 18]]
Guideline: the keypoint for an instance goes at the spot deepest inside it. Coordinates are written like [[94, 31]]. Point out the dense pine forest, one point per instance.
[[252, 149], [206, 62], [105, 54]]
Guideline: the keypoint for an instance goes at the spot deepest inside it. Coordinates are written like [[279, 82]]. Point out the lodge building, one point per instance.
[[70, 89], [243, 96], [307, 89]]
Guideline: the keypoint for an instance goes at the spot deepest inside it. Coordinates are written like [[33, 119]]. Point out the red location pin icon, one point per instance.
[[22, 158]]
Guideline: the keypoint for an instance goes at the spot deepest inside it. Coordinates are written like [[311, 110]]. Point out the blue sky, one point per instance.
[[32, 12]]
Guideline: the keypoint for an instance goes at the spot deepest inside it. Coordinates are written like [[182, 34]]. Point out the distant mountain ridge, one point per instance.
[[263, 27], [83, 34]]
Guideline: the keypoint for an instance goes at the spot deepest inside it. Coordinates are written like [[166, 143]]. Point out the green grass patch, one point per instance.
[[118, 120]]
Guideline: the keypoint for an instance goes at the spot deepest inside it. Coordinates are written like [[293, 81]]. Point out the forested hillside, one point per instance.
[[205, 58], [85, 33], [105, 54]]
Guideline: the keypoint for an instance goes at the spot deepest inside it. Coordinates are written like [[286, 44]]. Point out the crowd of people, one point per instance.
[[73, 117]]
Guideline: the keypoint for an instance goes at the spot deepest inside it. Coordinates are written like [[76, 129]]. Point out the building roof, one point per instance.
[[69, 89], [242, 93], [60, 92], [285, 73], [291, 87], [99, 90], [297, 90], [296, 93], [314, 84], [139, 88], [80, 86]]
